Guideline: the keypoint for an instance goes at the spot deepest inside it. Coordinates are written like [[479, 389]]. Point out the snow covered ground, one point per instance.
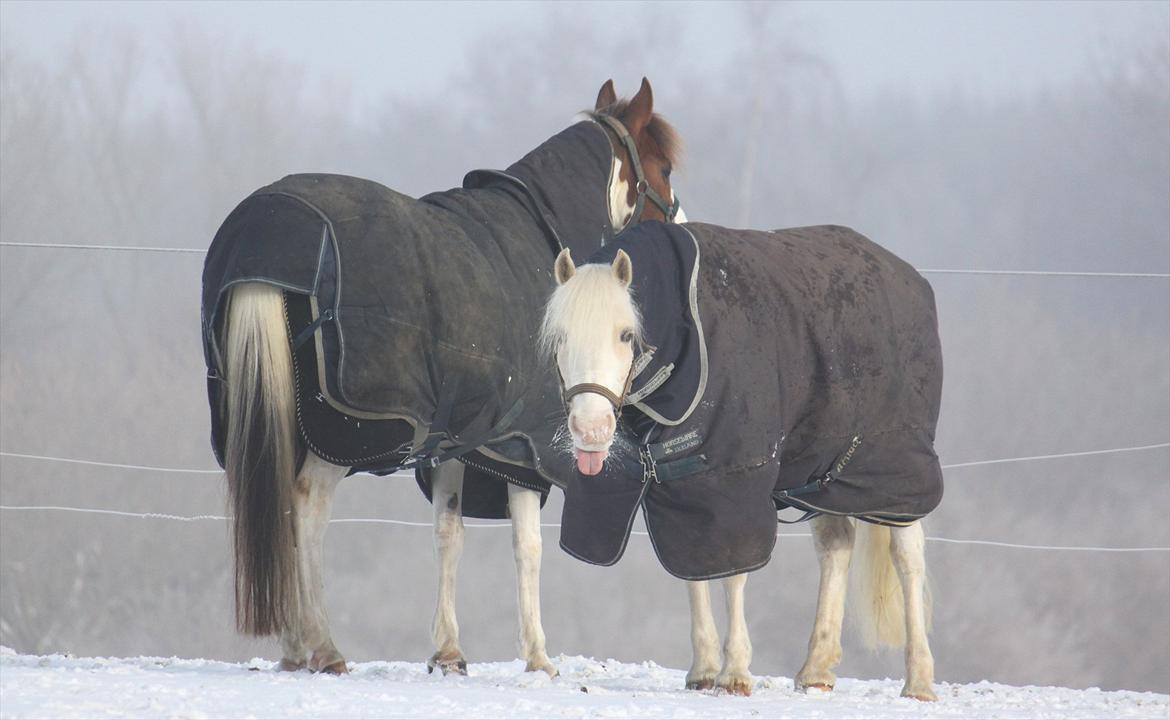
[[56, 686]]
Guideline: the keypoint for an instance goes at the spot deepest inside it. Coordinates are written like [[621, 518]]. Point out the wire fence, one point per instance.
[[409, 523], [935, 271], [490, 525], [385, 521]]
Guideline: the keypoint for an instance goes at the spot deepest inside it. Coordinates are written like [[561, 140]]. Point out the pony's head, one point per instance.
[[646, 149], [591, 328]]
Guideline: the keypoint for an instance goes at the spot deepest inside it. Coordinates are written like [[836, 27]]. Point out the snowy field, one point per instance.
[[57, 686]]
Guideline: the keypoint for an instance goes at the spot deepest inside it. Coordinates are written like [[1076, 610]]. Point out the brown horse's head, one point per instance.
[[650, 196]]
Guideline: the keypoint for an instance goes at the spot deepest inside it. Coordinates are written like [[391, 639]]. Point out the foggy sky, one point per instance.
[[989, 49]]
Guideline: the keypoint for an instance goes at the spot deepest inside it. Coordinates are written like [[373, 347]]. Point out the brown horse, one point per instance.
[[281, 489]]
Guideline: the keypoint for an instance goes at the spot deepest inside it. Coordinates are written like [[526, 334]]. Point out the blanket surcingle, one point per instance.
[[795, 368], [415, 320]]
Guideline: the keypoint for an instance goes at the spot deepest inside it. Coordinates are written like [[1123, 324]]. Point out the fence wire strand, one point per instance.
[[934, 271], [951, 466], [490, 525]]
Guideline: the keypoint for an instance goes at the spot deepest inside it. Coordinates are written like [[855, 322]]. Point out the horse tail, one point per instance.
[[260, 458], [877, 604]]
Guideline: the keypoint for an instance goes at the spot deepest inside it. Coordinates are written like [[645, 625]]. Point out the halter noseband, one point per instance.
[[580, 388], [640, 184]]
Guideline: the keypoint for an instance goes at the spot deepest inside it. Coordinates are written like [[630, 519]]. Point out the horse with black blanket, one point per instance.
[[748, 372], [347, 328]]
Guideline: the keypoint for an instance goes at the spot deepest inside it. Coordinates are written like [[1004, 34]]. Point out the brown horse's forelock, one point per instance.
[[661, 133]]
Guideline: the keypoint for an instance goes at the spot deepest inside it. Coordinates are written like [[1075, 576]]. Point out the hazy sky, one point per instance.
[[987, 48]]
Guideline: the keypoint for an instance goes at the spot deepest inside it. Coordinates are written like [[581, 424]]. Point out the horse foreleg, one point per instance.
[[524, 506], [704, 638], [735, 677], [307, 643], [833, 540], [447, 503], [907, 547]]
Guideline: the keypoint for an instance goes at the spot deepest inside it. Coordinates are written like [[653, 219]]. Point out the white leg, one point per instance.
[[737, 650], [307, 643], [907, 546], [833, 539], [524, 506], [447, 503], [704, 639]]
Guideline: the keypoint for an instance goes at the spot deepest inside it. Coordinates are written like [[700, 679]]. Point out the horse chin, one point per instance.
[[590, 462]]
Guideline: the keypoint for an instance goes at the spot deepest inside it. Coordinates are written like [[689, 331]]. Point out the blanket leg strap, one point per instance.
[[808, 515], [304, 335], [427, 457]]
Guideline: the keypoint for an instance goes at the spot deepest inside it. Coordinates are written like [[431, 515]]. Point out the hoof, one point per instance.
[[329, 661], [926, 695], [701, 684], [542, 665], [737, 687], [287, 665], [819, 687], [820, 680], [449, 663]]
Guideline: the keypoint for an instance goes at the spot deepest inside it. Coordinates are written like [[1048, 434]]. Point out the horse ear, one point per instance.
[[564, 268], [606, 96], [640, 110], [623, 269]]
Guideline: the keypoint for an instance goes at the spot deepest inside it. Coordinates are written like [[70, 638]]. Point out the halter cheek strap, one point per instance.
[[669, 210]]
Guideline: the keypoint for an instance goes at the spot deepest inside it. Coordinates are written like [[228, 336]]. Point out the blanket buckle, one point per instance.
[[649, 466]]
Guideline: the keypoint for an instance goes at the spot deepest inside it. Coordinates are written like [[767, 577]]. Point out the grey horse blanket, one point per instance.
[[414, 320], [796, 368]]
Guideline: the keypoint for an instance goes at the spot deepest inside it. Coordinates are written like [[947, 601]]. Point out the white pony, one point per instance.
[[591, 324]]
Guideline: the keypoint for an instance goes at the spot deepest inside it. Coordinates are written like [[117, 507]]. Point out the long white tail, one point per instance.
[[261, 458], [876, 602]]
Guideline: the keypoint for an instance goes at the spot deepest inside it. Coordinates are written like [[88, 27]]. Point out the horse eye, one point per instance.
[[666, 172], [627, 336]]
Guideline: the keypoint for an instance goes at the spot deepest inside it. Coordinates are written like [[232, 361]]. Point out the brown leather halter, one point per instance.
[[641, 185], [616, 400]]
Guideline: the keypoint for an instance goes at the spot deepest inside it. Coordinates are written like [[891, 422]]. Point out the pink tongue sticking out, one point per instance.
[[589, 463]]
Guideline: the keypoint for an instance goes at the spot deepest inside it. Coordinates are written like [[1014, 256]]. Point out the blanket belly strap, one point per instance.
[[819, 482]]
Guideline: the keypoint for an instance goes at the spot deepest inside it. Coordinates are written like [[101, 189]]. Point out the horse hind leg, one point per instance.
[[735, 677], [524, 507], [907, 549], [447, 504], [833, 540], [704, 638], [307, 642]]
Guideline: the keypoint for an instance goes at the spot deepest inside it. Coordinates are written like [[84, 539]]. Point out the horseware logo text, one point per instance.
[[682, 443], [848, 454]]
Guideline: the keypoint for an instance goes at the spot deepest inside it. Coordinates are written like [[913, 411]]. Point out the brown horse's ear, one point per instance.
[[606, 96], [623, 269], [564, 268], [640, 110]]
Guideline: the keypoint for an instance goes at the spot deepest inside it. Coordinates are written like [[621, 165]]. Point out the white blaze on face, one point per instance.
[[620, 209]]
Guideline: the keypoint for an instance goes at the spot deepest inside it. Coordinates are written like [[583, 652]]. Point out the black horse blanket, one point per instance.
[[796, 368], [414, 320]]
